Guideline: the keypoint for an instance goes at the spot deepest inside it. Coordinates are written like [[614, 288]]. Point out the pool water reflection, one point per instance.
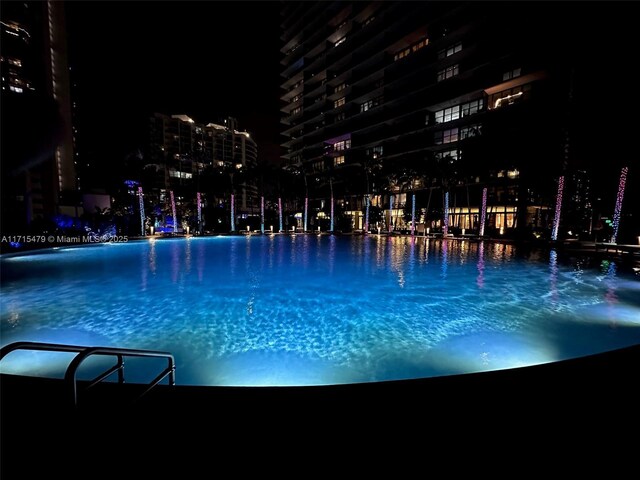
[[302, 310]]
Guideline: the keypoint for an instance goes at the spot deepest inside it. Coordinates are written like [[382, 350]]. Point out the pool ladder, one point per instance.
[[83, 352]]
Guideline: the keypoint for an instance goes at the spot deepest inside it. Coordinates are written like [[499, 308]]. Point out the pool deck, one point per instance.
[[558, 401]]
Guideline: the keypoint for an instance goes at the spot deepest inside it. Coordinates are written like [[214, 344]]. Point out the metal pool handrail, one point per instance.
[[84, 352]]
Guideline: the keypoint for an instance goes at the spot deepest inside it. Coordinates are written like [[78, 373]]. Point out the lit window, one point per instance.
[[366, 105], [343, 145], [450, 50], [369, 20], [339, 102], [296, 98], [470, 131], [472, 107], [340, 87], [338, 160], [369, 104], [401, 54], [511, 74], [448, 114], [513, 173], [296, 110], [419, 45], [340, 41], [375, 152], [15, 61], [318, 166], [451, 155], [450, 71], [446, 136], [509, 97], [339, 117], [15, 89]]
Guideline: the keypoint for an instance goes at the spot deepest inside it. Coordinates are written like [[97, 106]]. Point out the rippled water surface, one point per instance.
[[316, 310]]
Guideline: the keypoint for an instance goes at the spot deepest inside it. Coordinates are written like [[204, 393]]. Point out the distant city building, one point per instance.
[[189, 157], [403, 98], [38, 167]]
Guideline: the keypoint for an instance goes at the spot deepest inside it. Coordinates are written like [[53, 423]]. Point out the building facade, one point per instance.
[[39, 178], [215, 160], [428, 100]]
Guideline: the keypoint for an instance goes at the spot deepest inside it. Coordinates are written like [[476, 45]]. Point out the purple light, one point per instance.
[[618, 209], [445, 229], [262, 215], [233, 213], [480, 279], [483, 213], [141, 200], [367, 200], [199, 202], [306, 209], [413, 214], [280, 212], [391, 214], [173, 211], [556, 218], [331, 230]]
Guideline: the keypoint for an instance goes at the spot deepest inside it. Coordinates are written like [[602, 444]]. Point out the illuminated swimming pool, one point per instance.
[[316, 310]]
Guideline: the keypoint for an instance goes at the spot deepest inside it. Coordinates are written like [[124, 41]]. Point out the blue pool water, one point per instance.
[[316, 310]]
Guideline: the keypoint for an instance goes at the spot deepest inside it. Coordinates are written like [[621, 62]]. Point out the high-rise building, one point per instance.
[[37, 161], [189, 157], [433, 99]]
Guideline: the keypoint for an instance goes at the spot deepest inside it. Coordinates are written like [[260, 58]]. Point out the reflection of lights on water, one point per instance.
[[480, 279], [553, 277], [491, 351]]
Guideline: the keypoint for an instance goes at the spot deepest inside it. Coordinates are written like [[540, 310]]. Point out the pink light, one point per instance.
[[445, 229], [483, 213], [391, 214], [262, 215], [306, 209], [173, 211], [233, 213], [618, 209], [556, 218], [198, 201], [366, 214], [142, 219], [413, 214], [280, 212]]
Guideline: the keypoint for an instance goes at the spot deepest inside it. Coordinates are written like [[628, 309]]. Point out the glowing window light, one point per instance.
[[280, 212], [391, 214], [141, 200], [556, 218], [445, 229], [618, 209], [366, 213], [413, 214], [306, 209], [262, 215], [508, 98], [233, 213], [199, 202], [483, 213], [173, 211]]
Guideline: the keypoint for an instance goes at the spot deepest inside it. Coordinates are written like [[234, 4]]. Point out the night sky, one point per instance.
[[213, 59], [208, 60]]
